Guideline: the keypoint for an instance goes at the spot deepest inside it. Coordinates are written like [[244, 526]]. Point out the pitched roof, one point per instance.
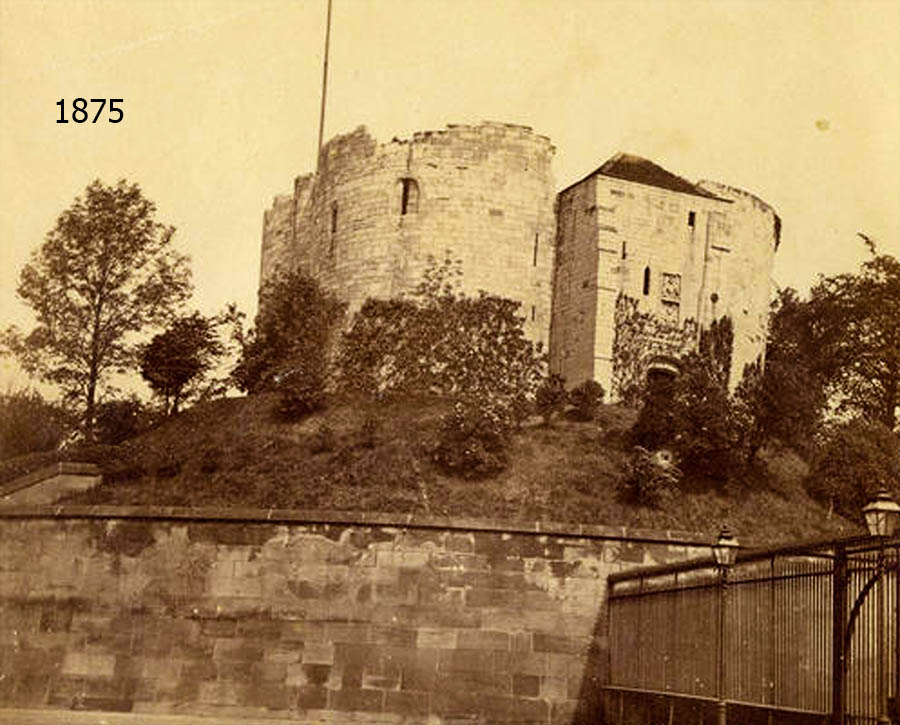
[[640, 170]]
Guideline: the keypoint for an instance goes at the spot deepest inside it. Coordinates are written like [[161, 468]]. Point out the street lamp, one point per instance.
[[725, 552], [882, 514], [883, 520]]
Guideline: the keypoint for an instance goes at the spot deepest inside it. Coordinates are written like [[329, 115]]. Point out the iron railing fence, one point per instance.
[[810, 628]]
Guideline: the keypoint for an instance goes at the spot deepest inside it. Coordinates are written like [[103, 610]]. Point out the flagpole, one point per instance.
[[324, 81]]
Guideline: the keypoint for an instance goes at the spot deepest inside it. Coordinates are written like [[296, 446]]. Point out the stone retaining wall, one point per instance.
[[310, 616]]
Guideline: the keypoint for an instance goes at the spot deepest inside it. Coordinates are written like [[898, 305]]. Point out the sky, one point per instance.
[[797, 102]]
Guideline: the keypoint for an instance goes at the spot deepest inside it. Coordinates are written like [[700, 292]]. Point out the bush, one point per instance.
[[550, 397], [473, 439], [440, 341], [653, 477], [324, 439], [289, 348], [854, 460], [28, 424], [585, 399], [118, 420]]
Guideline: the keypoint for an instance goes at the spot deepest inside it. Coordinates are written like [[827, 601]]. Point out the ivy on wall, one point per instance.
[[641, 337]]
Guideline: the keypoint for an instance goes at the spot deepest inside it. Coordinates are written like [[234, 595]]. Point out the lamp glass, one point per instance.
[[882, 515], [725, 549]]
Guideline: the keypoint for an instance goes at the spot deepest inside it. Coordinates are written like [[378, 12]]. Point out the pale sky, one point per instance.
[[797, 102]]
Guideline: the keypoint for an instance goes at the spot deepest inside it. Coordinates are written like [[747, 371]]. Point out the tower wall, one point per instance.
[[481, 194], [681, 256]]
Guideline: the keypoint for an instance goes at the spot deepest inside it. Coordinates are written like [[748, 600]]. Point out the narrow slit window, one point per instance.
[[409, 197], [536, 242], [692, 217], [646, 280], [334, 216], [532, 313], [624, 250]]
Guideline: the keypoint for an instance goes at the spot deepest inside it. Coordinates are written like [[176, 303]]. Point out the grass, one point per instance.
[[361, 454]]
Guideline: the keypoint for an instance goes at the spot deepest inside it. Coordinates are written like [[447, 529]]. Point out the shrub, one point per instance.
[[118, 420], [28, 424], [473, 439], [368, 433], [439, 341], [289, 348], [653, 477], [585, 399], [854, 460], [324, 439], [550, 397]]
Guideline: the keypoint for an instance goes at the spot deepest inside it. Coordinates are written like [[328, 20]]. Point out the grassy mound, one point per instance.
[[361, 454]]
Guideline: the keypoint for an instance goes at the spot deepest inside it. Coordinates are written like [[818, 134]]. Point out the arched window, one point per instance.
[[409, 197], [646, 280]]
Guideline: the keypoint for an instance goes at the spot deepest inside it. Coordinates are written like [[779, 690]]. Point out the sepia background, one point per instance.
[[797, 102]]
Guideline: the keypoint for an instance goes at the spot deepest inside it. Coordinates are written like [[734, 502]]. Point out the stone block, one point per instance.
[[407, 704], [543, 642], [393, 636], [554, 688], [283, 653], [436, 638], [238, 650], [483, 639], [224, 627], [318, 653], [465, 660], [88, 664], [312, 697], [526, 663], [356, 699], [526, 685]]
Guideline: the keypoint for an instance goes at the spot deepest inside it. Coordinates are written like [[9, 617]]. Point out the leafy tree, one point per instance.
[[288, 349], [29, 424], [855, 459], [784, 399], [856, 326], [105, 271], [444, 342], [178, 358]]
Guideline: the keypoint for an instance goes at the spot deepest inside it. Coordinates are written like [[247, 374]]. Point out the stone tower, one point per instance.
[[684, 252], [366, 223]]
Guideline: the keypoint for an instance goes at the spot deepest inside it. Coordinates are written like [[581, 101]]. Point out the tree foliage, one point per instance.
[[29, 424], [289, 348], [176, 360], [854, 460], [855, 321], [551, 397], [693, 414], [106, 270], [784, 399], [444, 342]]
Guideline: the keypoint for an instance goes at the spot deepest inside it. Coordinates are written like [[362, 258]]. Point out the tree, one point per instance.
[[178, 358], [856, 325], [855, 459], [105, 271], [289, 348], [785, 398]]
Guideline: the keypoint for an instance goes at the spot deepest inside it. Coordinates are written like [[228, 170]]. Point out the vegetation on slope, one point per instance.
[[362, 455]]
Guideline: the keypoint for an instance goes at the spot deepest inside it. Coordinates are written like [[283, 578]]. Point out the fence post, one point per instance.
[[838, 613], [721, 706]]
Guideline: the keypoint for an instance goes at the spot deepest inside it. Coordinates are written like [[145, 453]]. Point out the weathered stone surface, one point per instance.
[[197, 616]]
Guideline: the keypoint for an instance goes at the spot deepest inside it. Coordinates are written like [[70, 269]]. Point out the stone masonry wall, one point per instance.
[[707, 258], [484, 193], [309, 616]]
